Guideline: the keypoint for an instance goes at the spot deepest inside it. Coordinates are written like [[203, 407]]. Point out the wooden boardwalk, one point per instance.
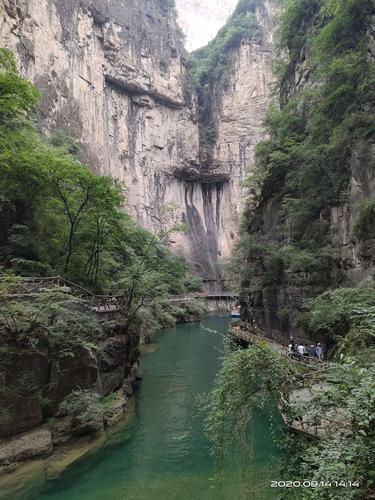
[[100, 304], [241, 331], [300, 391]]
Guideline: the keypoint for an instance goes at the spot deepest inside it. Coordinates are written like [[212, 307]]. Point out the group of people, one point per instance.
[[310, 351]]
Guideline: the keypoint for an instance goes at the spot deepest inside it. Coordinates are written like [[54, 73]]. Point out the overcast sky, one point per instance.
[[201, 19]]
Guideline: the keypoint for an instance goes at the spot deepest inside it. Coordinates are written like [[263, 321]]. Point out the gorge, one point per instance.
[[114, 77], [137, 180]]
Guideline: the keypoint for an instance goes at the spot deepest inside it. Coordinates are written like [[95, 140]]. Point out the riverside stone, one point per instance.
[[30, 444]]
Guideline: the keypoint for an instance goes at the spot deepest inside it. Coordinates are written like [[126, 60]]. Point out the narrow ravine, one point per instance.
[[164, 453]]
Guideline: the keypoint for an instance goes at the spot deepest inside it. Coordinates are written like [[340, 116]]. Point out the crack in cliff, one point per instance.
[[115, 76]]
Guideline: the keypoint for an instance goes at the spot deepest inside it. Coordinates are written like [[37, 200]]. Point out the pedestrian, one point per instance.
[[293, 344], [312, 351], [301, 349], [306, 350], [319, 351]]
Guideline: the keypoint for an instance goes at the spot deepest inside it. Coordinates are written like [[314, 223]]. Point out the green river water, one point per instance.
[[163, 453]]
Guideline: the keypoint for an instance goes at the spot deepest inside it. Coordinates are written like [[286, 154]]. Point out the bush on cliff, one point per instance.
[[212, 62], [85, 409], [51, 314], [344, 316], [347, 453]]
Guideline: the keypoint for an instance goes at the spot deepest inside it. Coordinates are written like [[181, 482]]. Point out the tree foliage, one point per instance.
[[347, 453], [211, 63], [53, 314], [240, 391], [57, 217], [337, 313], [313, 128]]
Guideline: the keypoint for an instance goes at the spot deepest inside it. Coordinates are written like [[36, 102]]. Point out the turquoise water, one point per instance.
[[163, 454]]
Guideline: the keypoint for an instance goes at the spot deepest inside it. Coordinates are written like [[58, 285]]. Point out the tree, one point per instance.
[[18, 97]]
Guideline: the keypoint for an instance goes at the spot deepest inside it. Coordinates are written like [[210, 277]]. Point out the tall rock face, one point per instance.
[[233, 100], [113, 76], [336, 245], [237, 106]]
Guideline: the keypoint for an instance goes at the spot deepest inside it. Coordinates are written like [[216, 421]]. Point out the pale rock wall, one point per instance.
[[112, 74], [237, 113]]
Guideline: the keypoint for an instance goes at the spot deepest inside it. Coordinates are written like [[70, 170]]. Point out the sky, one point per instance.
[[201, 19]]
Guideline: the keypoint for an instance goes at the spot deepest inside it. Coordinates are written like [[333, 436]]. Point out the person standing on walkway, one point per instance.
[[312, 351], [293, 344], [319, 351], [301, 349]]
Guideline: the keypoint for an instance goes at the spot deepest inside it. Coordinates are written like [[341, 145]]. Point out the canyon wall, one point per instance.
[[274, 303], [113, 76]]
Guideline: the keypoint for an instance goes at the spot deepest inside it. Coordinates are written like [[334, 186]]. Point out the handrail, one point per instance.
[[247, 336], [98, 303]]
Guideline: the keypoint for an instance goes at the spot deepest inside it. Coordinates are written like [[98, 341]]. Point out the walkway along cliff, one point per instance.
[[114, 78]]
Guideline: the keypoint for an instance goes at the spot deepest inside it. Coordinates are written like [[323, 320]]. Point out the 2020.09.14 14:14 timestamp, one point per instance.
[[315, 484]]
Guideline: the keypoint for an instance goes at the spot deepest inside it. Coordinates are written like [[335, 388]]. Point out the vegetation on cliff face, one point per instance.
[[56, 217], [347, 453], [52, 314], [212, 62], [304, 166], [211, 65], [323, 113], [345, 317]]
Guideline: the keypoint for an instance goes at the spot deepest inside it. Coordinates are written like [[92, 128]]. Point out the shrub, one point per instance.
[[364, 227], [81, 403], [337, 312], [53, 314]]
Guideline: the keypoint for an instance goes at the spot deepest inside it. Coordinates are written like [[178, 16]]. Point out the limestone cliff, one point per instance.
[[331, 244], [233, 98], [237, 113], [113, 76]]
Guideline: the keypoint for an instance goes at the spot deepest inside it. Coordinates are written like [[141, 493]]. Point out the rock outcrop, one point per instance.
[[36, 378], [35, 443], [113, 78], [273, 304]]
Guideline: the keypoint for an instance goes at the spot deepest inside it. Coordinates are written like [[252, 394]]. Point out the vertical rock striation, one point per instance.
[[113, 77]]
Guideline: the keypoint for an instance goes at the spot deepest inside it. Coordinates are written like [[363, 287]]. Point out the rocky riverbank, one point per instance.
[[21, 476], [37, 376]]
